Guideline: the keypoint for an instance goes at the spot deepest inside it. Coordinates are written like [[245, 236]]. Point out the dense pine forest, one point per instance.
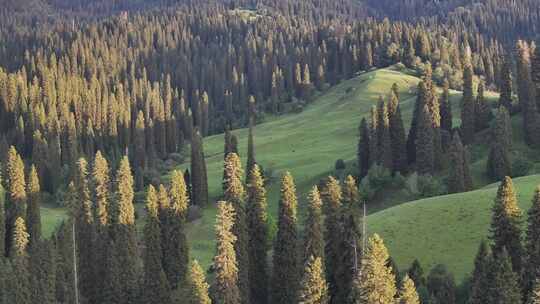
[[264, 151]]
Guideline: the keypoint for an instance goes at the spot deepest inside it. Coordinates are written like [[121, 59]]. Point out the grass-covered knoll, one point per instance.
[[306, 144], [445, 229]]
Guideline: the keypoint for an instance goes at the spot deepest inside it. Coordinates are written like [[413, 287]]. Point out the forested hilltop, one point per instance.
[[241, 151]]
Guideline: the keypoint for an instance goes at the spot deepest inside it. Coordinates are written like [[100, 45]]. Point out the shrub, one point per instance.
[[377, 179], [521, 166], [425, 185], [340, 164]]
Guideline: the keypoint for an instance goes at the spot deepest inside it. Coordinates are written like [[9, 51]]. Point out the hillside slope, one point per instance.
[[445, 229]]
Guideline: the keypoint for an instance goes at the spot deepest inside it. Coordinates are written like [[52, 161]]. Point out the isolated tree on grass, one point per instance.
[[197, 285], [499, 163], [407, 292], [285, 260], [226, 282], [234, 192], [375, 282], [257, 218], [313, 289], [506, 224], [481, 275]]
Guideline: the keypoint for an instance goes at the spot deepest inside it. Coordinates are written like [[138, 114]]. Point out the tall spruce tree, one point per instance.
[[482, 109], [43, 272], [16, 192], [199, 180], [456, 178], [332, 205], [2, 220], [481, 275], [407, 292], [375, 282], [197, 286], [535, 74], [532, 245], [313, 289], [257, 219], [468, 125], [124, 233], [33, 211], [155, 287], [19, 288], [421, 98], [234, 193], [225, 286], [363, 149], [506, 224], [499, 163], [175, 248], [374, 140], [504, 282], [313, 236], [446, 108], [425, 157], [383, 136], [250, 152], [505, 86], [285, 261], [397, 134]]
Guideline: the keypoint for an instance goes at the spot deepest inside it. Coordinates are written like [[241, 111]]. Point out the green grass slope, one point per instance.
[[306, 144], [445, 229]]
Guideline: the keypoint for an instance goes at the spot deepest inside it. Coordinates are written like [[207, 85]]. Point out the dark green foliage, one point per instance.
[[65, 290], [374, 140], [383, 136], [468, 125], [43, 272], [499, 162], [505, 86], [532, 245], [482, 109], [397, 135], [527, 94], [313, 289], [2, 221], [506, 224], [481, 276], [313, 235], [441, 285], [257, 219], [174, 242], [363, 150], [199, 180], [446, 108], [225, 288], [535, 74], [425, 157], [33, 211], [416, 273], [250, 153], [504, 282], [459, 176], [331, 196], [285, 260], [155, 287]]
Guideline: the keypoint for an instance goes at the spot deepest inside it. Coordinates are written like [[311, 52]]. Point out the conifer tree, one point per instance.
[[383, 136], [446, 108], [19, 284], [199, 180], [468, 125], [416, 273], [313, 236], [441, 285], [285, 261], [506, 224], [124, 232], [2, 221], [332, 205], [535, 74], [33, 211], [532, 245], [313, 289], [16, 192], [456, 178], [505, 87], [234, 193], [397, 134], [197, 286], [225, 287], [363, 149], [175, 246], [505, 281], [250, 153], [84, 228], [421, 100], [43, 272], [425, 158], [482, 109], [499, 162], [155, 285], [258, 234], [480, 277], [375, 282], [374, 140], [407, 292]]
